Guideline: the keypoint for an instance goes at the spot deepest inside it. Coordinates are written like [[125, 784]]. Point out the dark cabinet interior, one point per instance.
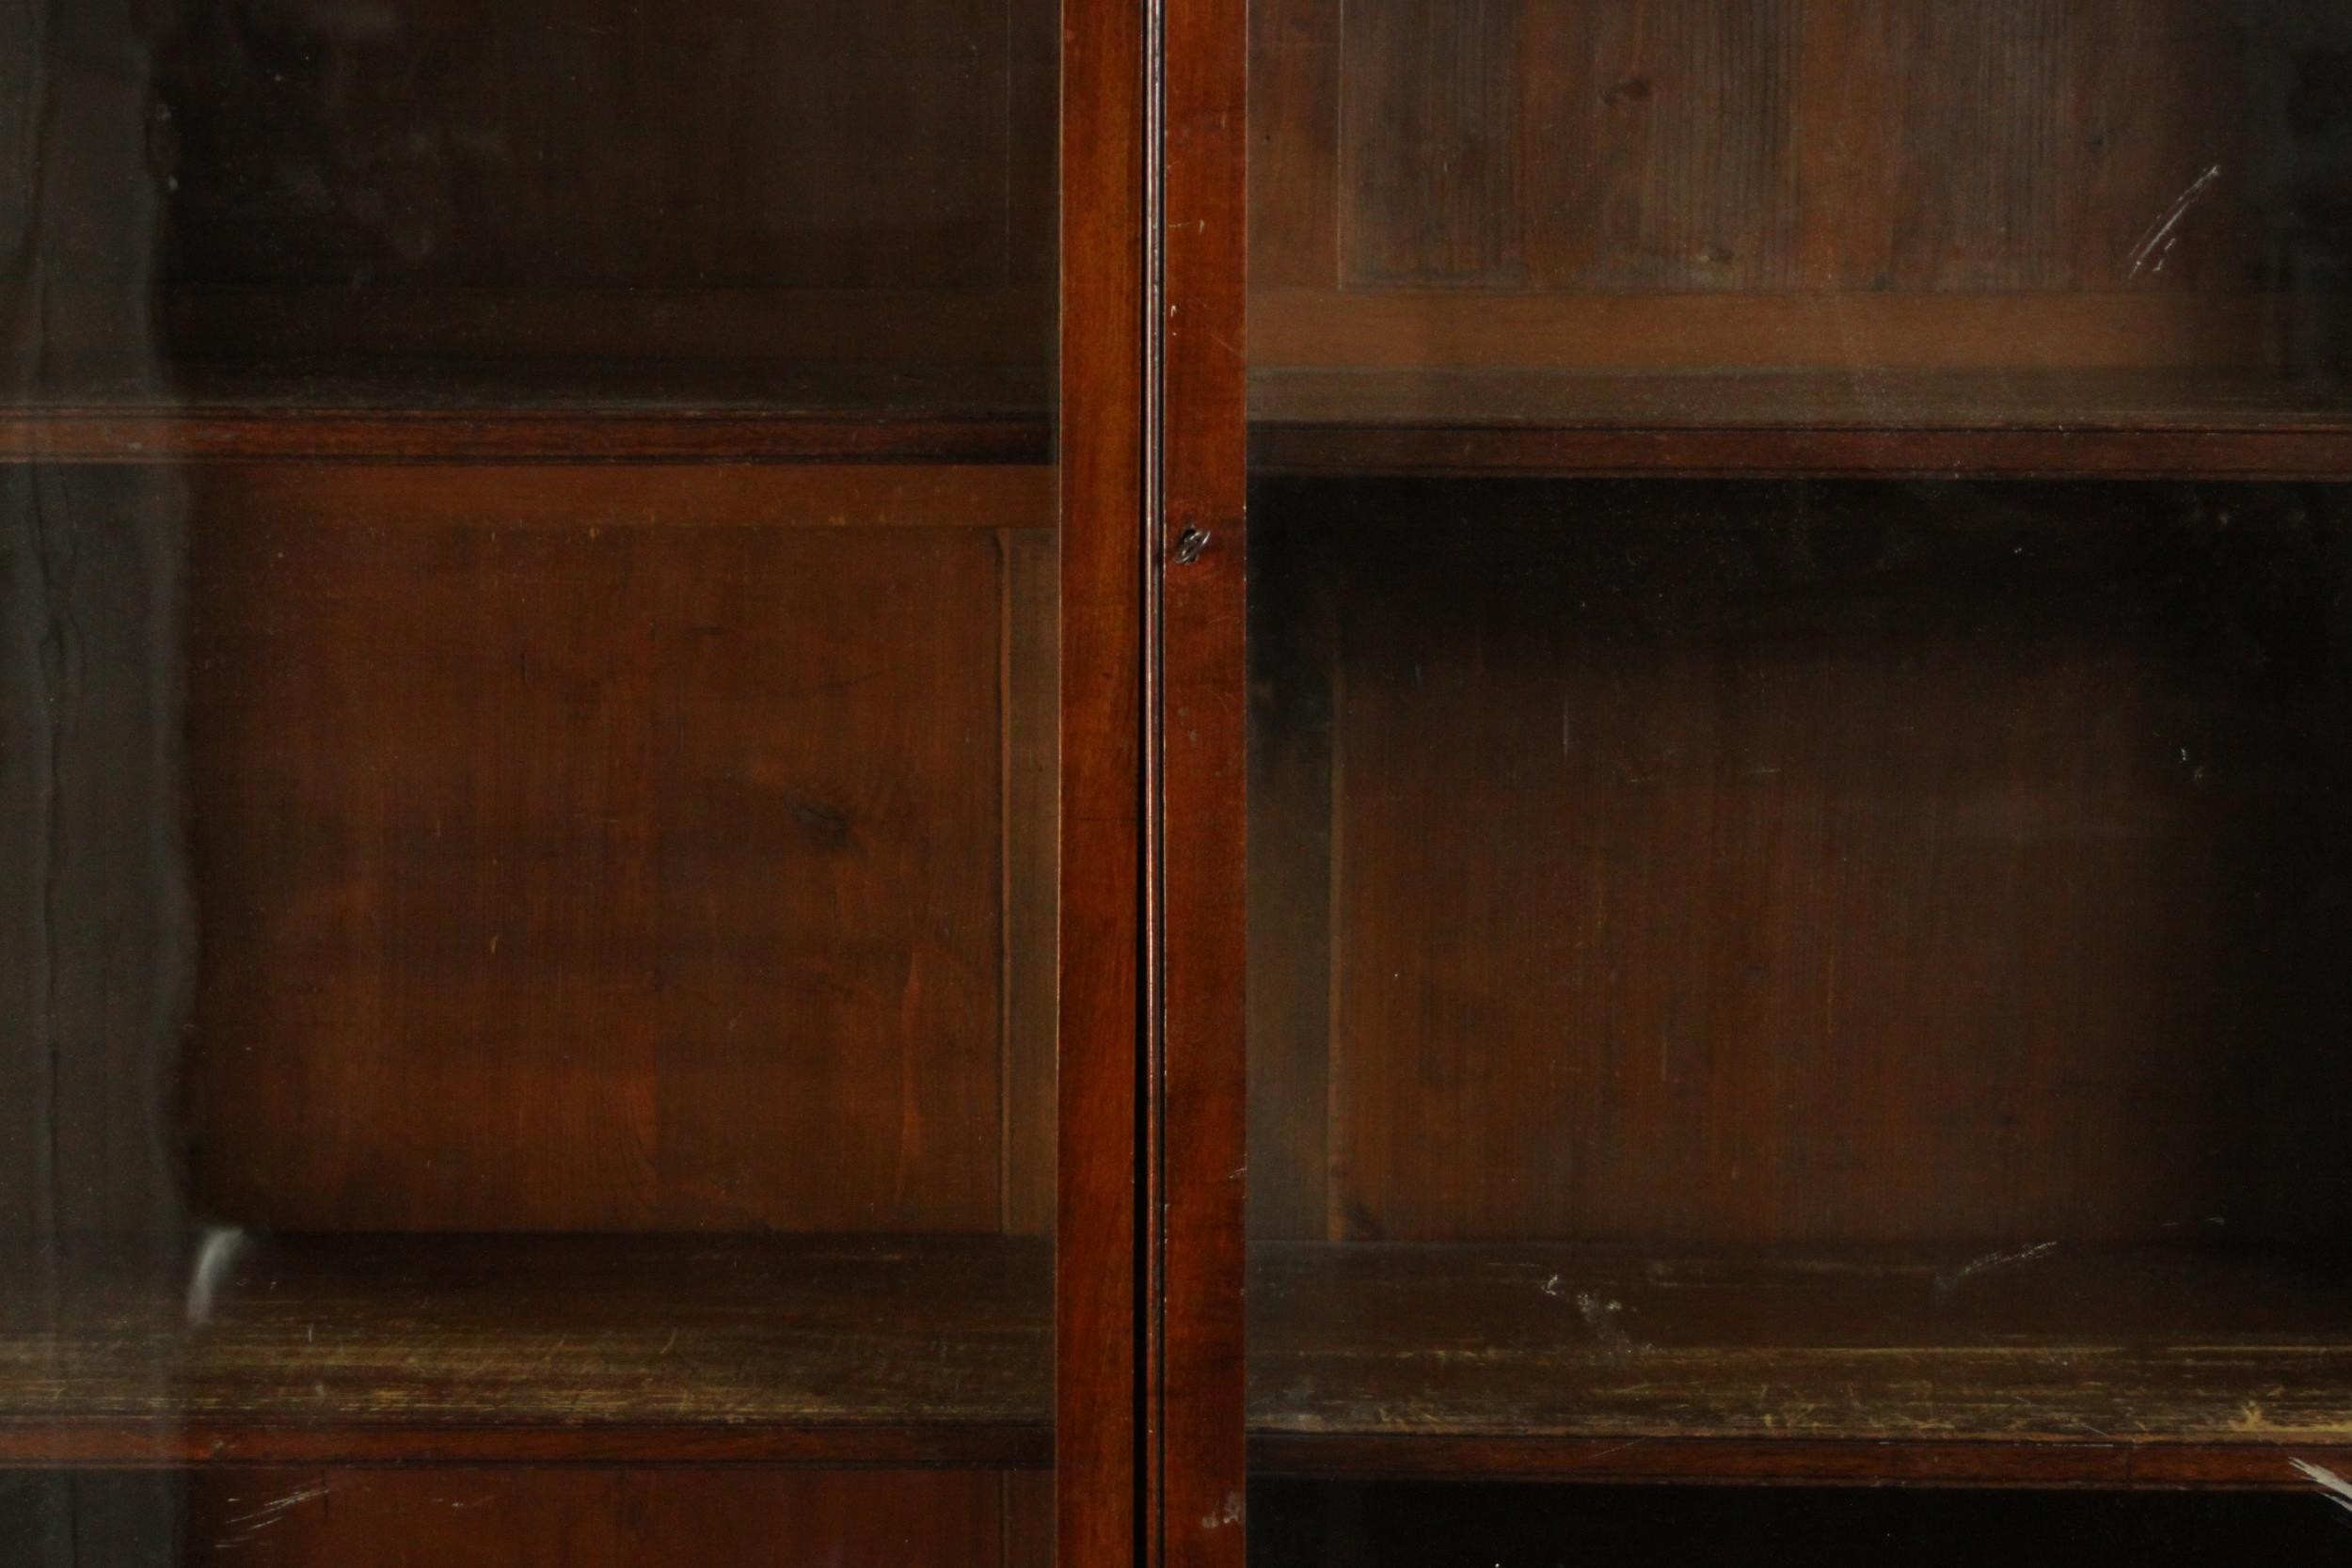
[[250, 208], [1706, 646], [1661, 235], [1796, 960], [1309, 1525], [531, 769], [1797, 863]]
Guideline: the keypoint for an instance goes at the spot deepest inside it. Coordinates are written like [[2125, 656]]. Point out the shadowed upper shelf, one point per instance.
[[715, 412], [2155, 1367], [2052, 423], [491, 1348]]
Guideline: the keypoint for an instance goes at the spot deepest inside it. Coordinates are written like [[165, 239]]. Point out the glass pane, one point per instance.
[[1507, 233], [298, 205], [1854, 961], [528, 781], [1798, 860]]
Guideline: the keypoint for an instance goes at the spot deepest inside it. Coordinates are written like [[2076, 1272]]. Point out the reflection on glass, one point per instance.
[[507, 959], [1795, 896]]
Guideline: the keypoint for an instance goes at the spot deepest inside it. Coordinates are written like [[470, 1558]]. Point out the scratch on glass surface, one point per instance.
[[2157, 244], [2339, 1490]]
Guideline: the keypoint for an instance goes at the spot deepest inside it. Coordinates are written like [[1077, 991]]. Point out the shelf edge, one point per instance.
[[125, 1445]]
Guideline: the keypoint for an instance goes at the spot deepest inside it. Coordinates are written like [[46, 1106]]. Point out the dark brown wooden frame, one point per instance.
[[1199, 530], [1100, 1414]]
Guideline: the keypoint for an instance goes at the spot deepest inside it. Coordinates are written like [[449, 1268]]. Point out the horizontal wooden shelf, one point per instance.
[[472, 413], [565, 497], [543, 1348], [2046, 423], [2049, 1364]]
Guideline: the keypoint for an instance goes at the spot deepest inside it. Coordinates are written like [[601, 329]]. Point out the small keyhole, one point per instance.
[[1189, 544]]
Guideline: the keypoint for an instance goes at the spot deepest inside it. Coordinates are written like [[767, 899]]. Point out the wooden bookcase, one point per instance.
[[1318, 783], [572, 581], [1756, 608]]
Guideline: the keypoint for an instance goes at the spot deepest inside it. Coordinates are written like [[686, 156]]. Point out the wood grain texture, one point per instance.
[[871, 335], [1749, 865], [1799, 145], [264, 1517], [1653, 145], [1294, 71], [1102, 1310], [1858, 333], [2035, 789], [435, 718], [596, 878], [1428, 168], [1200, 779], [1031, 750], [74, 433], [266, 181], [1029, 1531], [342, 1349], [1897, 172], [797, 152], [379, 1518], [1294, 842], [2099, 1352], [658, 410], [1696, 424], [794, 145], [2036, 145], [642, 499]]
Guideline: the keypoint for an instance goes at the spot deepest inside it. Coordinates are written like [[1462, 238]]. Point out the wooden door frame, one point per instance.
[[1100, 1317], [1197, 1468]]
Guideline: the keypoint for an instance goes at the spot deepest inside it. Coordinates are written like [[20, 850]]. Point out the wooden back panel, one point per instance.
[[606, 144], [1414, 158], [1747, 865], [689, 872], [429, 181]]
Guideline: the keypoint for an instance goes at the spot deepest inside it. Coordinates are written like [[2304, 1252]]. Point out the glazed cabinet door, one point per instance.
[[538, 543], [1779, 718]]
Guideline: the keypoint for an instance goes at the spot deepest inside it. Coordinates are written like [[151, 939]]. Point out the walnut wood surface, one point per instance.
[[323, 1349], [1654, 184], [1863, 422], [599, 1518], [1105, 1304], [1438, 329], [875, 186], [1862, 1364], [1471, 1000], [599, 877], [1896, 824], [476, 1516], [1777, 864], [394, 200], [793, 145], [1199, 716], [669, 411], [1793, 145], [642, 498]]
